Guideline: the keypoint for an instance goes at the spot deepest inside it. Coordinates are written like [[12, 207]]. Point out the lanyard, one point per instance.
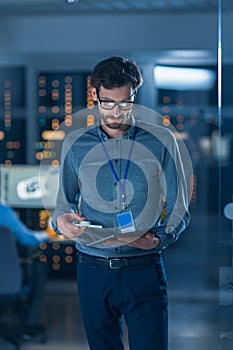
[[122, 186]]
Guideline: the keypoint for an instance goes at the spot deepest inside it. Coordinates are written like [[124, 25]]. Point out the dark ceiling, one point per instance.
[[71, 7]]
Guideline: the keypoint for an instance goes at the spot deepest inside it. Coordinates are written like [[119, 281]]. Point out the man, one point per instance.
[[34, 274], [126, 177]]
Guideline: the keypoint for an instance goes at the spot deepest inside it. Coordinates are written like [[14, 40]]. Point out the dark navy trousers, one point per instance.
[[137, 296]]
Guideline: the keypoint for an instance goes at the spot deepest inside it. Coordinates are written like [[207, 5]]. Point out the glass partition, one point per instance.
[[225, 172]]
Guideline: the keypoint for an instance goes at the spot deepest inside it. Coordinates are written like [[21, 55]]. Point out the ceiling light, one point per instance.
[[72, 1], [179, 78]]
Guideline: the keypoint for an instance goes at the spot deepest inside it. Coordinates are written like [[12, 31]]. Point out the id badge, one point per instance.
[[126, 223]]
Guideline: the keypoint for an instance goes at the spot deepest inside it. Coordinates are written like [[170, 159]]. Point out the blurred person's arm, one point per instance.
[[22, 233]]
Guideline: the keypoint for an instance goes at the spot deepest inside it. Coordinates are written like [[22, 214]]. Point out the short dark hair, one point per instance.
[[115, 72]]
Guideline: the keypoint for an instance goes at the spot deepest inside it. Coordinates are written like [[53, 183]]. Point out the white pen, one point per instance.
[[89, 226]]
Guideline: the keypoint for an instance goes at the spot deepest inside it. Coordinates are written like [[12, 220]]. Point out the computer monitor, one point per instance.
[[29, 186]]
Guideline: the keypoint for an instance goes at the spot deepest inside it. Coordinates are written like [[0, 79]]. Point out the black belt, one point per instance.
[[117, 263]]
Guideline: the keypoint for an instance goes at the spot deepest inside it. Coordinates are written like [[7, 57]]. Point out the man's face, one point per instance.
[[118, 116]]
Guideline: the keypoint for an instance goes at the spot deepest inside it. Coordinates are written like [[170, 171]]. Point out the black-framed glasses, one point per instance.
[[123, 105]]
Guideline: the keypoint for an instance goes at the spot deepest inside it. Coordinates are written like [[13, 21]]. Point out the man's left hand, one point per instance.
[[147, 241]]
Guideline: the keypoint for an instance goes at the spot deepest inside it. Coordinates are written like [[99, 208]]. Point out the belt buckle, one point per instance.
[[117, 263]]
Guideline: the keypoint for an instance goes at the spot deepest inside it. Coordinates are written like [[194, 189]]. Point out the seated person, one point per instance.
[[34, 273]]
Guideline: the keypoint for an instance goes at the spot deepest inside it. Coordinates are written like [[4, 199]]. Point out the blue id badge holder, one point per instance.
[[125, 221]]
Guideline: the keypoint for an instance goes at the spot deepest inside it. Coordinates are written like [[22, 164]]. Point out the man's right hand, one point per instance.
[[67, 228]]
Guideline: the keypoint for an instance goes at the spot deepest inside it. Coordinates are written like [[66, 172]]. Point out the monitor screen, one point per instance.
[[25, 186]]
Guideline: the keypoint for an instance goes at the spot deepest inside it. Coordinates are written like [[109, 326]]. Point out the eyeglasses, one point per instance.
[[123, 105]]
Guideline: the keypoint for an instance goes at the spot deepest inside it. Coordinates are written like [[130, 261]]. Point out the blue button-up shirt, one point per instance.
[[155, 184]]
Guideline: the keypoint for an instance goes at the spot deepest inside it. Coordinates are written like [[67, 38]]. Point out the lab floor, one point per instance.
[[194, 320]]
